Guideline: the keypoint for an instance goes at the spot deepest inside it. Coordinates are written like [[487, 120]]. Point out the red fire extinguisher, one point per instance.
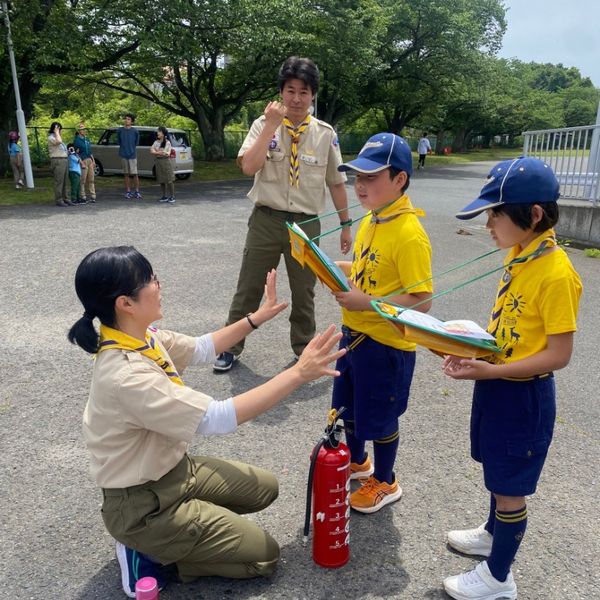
[[329, 490]]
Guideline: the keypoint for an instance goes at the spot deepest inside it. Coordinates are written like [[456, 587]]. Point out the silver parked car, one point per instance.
[[106, 152]]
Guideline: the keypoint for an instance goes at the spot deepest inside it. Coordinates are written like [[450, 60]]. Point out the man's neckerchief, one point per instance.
[[295, 132]]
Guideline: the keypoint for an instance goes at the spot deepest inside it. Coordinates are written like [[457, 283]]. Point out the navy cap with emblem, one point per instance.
[[522, 180], [381, 151]]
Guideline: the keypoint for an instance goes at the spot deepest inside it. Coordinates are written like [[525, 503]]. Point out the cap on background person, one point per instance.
[[381, 151], [13, 136], [522, 180]]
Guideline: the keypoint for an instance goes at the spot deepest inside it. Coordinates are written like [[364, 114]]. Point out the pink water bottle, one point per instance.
[[146, 588]]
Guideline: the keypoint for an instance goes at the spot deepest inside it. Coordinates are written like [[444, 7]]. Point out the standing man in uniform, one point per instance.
[[294, 159], [87, 189], [128, 138]]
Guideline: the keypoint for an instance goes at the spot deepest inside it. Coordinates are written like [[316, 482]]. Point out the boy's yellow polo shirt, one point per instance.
[[542, 300], [399, 256]]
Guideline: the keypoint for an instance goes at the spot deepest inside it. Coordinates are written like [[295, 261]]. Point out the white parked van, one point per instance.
[[106, 152]]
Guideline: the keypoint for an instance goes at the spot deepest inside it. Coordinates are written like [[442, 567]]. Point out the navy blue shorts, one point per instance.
[[512, 423], [373, 386]]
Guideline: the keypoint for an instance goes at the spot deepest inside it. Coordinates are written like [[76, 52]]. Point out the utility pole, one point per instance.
[[20, 114]]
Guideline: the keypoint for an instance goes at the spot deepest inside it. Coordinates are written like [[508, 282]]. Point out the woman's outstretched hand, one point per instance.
[[317, 356], [270, 307]]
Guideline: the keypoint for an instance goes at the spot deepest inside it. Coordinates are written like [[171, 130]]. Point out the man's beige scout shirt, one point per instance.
[[137, 423], [319, 156]]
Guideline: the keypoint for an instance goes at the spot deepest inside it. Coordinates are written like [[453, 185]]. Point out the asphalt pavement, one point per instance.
[[54, 545]]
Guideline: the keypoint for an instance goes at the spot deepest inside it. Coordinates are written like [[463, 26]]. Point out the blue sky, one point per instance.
[[555, 31]]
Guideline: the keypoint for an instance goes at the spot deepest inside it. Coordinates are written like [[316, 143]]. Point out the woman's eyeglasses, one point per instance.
[[153, 279]]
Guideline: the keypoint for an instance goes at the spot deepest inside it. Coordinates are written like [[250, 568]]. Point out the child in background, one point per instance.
[[16, 159], [514, 404], [75, 174], [391, 252]]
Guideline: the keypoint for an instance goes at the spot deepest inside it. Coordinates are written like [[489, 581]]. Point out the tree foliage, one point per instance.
[[393, 63], [201, 59]]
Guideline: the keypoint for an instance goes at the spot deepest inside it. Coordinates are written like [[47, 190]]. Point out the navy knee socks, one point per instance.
[[509, 530], [384, 451], [489, 526], [356, 446]]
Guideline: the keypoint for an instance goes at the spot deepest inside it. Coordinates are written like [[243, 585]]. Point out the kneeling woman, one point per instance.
[[160, 502]]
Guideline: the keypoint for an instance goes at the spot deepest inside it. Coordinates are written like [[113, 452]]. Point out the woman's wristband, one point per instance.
[[347, 223], [252, 323]]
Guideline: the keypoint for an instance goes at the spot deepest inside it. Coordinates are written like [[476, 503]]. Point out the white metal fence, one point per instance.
[[574, 155]]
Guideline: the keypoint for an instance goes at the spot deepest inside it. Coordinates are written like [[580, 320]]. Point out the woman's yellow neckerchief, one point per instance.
[[114, 339]]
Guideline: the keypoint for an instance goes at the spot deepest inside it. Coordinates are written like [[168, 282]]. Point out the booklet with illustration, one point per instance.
[[458, 337], [307, 253]]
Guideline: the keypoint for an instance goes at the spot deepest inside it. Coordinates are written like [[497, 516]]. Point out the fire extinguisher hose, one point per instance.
[[311, 474]]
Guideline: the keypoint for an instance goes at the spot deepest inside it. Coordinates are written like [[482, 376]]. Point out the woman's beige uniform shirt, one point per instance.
[[56, 149], [137, 423]]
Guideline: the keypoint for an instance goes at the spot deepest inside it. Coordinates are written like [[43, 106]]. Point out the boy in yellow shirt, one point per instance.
[[391, 252], [514, 403]]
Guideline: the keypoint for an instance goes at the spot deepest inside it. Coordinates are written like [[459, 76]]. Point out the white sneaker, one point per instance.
[[480, 584], [477, 542]]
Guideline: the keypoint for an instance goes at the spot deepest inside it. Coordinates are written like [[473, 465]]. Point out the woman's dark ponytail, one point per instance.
[[84, 334]]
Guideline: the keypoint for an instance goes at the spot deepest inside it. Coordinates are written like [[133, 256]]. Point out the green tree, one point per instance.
[[345, 40], [203, 60], [429, 45], [50, 38]]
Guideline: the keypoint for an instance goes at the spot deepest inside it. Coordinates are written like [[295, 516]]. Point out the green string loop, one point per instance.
[[437, 275], [334, 212], [405, 289], [460, 285]]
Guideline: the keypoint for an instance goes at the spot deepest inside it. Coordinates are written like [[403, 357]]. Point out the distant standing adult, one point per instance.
[[294, 159], [16, 158], [128, 138], [163, 165], [423, 149], [57, 150], [87, 188]]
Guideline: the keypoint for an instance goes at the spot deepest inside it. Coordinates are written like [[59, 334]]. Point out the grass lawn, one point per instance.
[[208, 171], [43, 192]]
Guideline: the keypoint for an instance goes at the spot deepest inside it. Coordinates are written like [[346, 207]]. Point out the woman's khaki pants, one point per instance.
[[191, 517]]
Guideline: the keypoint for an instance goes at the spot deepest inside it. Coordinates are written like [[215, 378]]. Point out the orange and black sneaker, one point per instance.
[[373, 495], [362, 470]]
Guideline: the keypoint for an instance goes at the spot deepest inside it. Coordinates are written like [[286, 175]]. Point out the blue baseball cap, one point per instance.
[[381, 151], [522, 180]]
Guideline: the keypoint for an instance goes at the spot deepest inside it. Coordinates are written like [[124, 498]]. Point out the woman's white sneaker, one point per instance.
[[480, 584], [476, 542]]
